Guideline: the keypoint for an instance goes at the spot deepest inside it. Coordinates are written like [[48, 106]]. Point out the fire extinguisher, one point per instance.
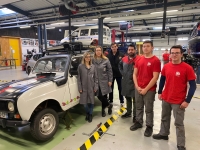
[[6, 62]]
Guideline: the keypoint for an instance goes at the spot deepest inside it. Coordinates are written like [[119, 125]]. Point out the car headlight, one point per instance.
[[11, 106]]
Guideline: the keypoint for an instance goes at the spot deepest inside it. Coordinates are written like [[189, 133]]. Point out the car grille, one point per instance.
[[3, 105]]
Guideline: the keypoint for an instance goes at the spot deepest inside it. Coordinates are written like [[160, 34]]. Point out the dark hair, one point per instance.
[[150, 42], [132, 45], [177, 47], [113, 44]]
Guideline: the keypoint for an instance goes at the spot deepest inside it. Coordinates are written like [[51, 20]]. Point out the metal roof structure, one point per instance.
[[182, 14]]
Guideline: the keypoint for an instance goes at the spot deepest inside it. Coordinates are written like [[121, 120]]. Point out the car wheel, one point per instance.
[[44, 124], [28, 70]]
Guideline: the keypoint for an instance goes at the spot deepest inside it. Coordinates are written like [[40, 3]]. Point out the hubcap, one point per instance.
[[47, 124]]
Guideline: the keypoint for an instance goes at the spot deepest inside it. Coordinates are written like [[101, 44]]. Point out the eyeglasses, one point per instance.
[[175, 53], [87, 56]]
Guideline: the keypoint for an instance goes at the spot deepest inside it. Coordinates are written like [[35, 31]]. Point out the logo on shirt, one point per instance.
[[148, 64], [178, 74]]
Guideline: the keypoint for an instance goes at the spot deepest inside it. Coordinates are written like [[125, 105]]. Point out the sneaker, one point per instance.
[[134, 119], [103, 113], [90, 118], [181, 148], [160, 137], [126, 115], [148, 132], [110, 109], [136, 126]]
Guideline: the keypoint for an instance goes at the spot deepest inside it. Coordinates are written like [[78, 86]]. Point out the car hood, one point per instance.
[[16, 88]]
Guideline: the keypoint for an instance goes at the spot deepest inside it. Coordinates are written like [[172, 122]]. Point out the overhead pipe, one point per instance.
[[164, 19]]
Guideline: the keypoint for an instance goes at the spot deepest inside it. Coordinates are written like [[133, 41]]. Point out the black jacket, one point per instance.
[[114, 61]]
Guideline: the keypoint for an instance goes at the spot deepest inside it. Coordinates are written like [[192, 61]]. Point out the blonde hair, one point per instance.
[[83, 59], [102, 55]]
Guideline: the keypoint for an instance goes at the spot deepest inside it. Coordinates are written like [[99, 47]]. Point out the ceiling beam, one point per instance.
[[17, 10], [90, 3]]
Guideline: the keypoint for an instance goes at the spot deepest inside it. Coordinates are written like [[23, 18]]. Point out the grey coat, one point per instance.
[[126, 67], [105, 75], [87, 83]]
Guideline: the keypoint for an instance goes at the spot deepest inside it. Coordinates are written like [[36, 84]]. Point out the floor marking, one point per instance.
[[101, 130]]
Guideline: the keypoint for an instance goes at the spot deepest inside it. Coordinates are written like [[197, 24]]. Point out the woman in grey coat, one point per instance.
[[87, 84], [105, 77]]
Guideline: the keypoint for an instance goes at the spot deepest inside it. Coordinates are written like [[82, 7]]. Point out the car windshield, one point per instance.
[[50, 65]]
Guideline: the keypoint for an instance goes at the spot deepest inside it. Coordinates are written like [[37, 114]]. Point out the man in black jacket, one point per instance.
[[115, 57]]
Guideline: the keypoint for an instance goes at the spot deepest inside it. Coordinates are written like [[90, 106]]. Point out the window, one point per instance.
[[104, 31], [108, 32], [94, 32], [84, 32]]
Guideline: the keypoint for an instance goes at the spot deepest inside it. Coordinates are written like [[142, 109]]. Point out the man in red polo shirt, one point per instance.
[[174, 77], [165, 57], [145, 76]]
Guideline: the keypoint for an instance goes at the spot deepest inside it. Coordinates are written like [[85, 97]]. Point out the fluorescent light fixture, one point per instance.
[[7, 11], [167, 17], [116, 21], [162, 49], [158, 12], [146, 40], [117, 41], [57, 23], [128, 10], [135, 40], [156, 49], [138, 29], [183, 39], [50, 28], [22, 27], [79, 25], [104, 18]]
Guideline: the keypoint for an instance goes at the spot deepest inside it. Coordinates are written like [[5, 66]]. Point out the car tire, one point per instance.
[[28, 70], [44, 124]]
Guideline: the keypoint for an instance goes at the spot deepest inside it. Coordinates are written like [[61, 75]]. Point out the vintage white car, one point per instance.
[[88, 35], [50, 88]]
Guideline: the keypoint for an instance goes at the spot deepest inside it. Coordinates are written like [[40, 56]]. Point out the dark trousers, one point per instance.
[[130, 102], [179, 118], [103, 99], [119, 81]]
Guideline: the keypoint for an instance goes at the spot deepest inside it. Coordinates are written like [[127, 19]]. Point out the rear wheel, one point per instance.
[[44, 124]]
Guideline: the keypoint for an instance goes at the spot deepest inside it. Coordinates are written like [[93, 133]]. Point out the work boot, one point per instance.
[[136, 126], [86, 117], [90, 118], [181, 148], [126, 115], [103, 112], [148, 132], [160, 137], [134, 119], [110, 109]]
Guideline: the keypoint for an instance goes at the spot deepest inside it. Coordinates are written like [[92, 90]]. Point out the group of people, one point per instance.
[[136, 78]]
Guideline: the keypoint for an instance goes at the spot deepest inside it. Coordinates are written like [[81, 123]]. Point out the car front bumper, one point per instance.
[[13, 123]]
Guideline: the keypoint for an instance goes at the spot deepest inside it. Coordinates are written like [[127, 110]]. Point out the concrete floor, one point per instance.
[[124, 139]]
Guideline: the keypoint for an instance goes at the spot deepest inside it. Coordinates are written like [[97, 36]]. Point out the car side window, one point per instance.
[[84, 32]]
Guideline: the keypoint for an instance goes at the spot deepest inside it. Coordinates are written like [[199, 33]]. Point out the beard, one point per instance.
[[131, 54]]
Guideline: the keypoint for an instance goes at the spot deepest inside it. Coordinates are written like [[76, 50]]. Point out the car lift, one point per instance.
[[114, 34]]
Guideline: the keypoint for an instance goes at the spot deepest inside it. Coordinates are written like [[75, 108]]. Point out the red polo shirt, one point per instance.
[[177, 76], [146, 67]]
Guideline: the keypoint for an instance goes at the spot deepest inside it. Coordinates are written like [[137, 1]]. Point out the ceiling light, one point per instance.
[[183, 39], [138, 29], [167, 17], [135, 40], [104, 18], [158, 12], [50, 28], [79, 25], [22, 27], [116, 21], [146, 40], [57, 23], [128, 10]]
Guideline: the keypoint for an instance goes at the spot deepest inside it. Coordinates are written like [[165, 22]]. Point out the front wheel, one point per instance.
[[44, 124]]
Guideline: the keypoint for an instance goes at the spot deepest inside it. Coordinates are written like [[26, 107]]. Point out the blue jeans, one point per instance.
[[89, 108]]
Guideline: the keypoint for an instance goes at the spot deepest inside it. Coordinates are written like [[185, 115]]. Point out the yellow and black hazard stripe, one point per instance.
[[4, 81], [100, 131], [196, 97]]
